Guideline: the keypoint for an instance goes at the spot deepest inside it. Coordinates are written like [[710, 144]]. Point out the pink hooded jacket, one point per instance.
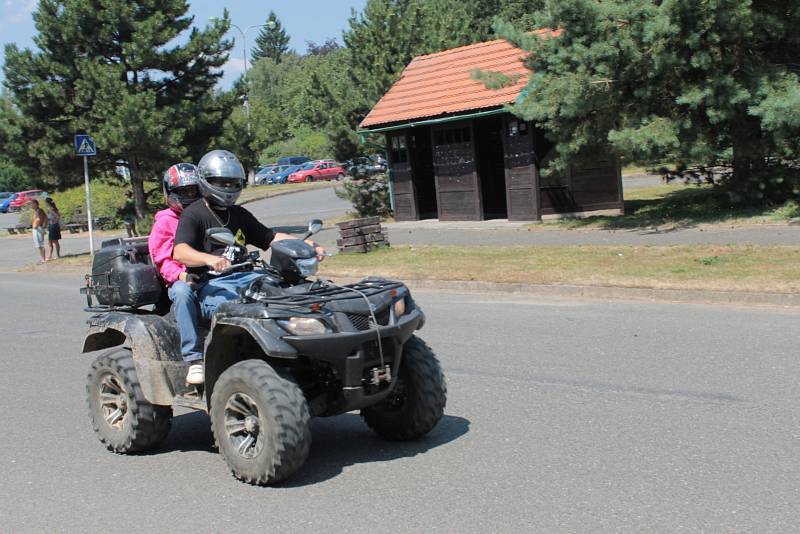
[[160, 242]]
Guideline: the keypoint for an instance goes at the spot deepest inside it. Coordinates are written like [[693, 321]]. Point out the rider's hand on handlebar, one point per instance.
[[217, 263], [321, 252]]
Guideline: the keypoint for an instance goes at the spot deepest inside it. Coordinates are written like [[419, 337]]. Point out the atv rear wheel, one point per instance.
[[124, 421], [260, 423], [417, 402]]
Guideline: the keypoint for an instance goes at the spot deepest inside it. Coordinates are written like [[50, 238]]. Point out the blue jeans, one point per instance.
[[222, 289], [184, 306]]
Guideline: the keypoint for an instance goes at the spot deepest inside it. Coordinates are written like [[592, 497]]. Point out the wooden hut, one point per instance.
[[456, 154]]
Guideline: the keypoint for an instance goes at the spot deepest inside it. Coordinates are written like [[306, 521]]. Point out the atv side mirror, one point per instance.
[[313, 227], [221, 236]]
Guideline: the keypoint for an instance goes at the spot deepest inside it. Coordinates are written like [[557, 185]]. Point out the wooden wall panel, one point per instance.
[[458, 206], [404, 207], [403, 194]]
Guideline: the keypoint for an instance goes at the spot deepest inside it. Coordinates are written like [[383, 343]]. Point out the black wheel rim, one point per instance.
[[113, 400], [243, 425]]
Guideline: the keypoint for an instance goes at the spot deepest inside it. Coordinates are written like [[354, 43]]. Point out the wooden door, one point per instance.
[[522, 180], [403, 193], [457, 186]]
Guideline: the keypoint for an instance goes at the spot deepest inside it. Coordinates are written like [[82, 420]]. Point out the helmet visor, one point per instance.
[[223, 182], [187, 192]]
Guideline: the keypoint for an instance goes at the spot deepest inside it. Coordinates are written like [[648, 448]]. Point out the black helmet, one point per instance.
[[178, 182], [221, 177]]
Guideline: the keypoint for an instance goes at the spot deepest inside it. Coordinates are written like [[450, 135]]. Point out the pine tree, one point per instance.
[[381, 41], [272, 41], [104, 68], [699, 85]]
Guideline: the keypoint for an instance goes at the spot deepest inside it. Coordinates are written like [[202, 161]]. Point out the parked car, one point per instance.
[[293, 160], [264, 172], [5, 199], [365, 166], [24, 198], [317, 170], [282, 175]]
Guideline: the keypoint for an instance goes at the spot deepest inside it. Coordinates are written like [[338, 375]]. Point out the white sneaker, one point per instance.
[[195, 374]]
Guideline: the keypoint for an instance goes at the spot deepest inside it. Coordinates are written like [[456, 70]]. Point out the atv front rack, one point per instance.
[[323, 290]]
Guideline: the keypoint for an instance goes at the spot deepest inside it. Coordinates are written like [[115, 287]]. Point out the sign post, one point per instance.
[[84, 146]]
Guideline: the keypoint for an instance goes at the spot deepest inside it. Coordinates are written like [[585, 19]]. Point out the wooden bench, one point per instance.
[[80, 223], [18, 229]]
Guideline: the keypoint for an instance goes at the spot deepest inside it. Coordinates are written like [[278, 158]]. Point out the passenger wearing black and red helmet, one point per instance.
[[180, 187]]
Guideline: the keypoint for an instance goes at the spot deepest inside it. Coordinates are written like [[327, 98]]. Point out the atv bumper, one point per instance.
[[354, 354]]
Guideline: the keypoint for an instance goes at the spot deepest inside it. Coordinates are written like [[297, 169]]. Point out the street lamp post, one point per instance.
[[246, 104]]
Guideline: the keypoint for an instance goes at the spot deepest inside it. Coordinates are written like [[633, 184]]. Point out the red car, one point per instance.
[[317, 170], [24, 198]]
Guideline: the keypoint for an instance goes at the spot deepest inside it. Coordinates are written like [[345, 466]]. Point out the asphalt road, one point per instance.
[[562, 416]]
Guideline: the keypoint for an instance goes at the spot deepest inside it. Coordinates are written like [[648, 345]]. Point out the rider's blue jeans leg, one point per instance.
[[184, 306], [222, 289]]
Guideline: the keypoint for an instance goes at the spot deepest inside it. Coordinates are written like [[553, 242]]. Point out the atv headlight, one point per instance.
[[400, 307], [307, 267], [304, 326]]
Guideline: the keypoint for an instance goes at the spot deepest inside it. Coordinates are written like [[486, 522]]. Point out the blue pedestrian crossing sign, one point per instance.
[[84, 145]]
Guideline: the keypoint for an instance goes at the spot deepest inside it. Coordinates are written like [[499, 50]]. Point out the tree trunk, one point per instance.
[[137, 183], [748, 156]]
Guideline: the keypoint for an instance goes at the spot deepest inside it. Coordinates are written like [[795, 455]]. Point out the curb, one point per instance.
[[685, 296]]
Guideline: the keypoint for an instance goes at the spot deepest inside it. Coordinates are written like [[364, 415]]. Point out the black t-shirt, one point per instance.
[[197, 218]]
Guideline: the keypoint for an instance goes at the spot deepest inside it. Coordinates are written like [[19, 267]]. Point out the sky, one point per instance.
[[303, 20]]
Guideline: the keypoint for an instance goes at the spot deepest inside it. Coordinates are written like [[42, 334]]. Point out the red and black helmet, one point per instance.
[[180, 186]]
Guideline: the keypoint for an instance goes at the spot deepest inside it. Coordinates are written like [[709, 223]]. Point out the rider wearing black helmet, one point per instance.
[[220, 180]]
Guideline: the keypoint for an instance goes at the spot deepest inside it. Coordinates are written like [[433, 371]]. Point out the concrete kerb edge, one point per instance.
[[740, 298]]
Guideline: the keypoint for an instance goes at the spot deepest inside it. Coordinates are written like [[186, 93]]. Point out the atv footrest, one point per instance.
[[192, 401]]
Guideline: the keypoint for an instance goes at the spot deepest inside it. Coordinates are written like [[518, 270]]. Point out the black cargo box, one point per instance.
[[123, 275]]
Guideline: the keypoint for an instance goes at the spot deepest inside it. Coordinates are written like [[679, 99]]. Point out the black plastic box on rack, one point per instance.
[[123, 275]]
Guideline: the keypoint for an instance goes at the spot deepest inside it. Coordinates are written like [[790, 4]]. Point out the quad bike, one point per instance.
[[289, 349]]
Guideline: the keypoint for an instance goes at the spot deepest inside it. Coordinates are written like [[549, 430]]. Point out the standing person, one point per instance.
[[38, 223], [128, 212], [53, 227], [220, 179], [180, 190]]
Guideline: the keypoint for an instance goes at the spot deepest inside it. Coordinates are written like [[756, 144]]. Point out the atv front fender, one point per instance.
[[155, 345], [233, 339]]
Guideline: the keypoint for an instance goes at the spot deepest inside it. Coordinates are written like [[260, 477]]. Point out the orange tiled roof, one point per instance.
[[440, 83]]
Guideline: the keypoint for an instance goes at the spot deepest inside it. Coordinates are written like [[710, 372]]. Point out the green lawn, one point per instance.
[[734, 268], [679, 206]]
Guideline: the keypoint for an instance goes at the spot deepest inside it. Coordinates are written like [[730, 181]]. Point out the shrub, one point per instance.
[[369, 196], [107, 199]]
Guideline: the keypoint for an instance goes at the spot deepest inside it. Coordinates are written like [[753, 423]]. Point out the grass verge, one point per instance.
[[772, 269], [679, 206], [725, 268]]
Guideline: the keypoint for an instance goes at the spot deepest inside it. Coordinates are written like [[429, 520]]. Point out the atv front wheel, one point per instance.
[[124, 421], [260, 422], [417, 402]]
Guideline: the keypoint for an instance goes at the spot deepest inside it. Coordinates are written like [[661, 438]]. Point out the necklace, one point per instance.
[[225, 224]]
